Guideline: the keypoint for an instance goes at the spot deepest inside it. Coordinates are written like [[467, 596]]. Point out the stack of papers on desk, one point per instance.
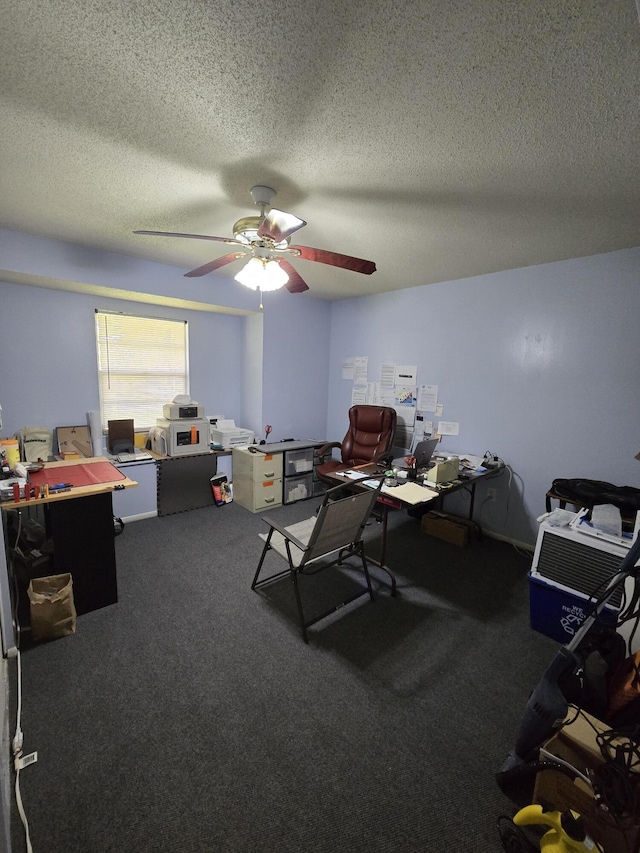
[[410, 493]]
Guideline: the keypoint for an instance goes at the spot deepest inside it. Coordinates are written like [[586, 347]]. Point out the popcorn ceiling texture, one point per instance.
[[439, 139]]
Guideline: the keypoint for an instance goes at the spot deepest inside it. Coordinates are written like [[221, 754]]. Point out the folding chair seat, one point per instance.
[[328, 539]]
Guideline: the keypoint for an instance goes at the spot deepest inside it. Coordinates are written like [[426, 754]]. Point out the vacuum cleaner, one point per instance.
[[547, 707]]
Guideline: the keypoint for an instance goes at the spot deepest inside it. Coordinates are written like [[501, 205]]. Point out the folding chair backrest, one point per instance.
[[339, 524]]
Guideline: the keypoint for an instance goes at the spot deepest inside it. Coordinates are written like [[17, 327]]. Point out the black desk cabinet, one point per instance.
[[83, 537]]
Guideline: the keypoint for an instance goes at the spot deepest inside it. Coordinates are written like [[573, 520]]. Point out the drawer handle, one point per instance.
[[269, 500], [269, 473]]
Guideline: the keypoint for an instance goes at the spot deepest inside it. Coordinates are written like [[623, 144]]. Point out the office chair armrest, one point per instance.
[[284, 532], [329, 446]]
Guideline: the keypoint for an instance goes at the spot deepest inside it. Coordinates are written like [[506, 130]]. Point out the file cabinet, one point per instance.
[[257, 479]]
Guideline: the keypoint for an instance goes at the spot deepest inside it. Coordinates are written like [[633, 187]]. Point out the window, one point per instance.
[[142, 364]]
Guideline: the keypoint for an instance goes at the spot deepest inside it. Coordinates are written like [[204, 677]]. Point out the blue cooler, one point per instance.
[[558, 612]]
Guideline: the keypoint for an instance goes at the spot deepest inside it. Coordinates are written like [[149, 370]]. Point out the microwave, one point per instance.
[[185, 436]]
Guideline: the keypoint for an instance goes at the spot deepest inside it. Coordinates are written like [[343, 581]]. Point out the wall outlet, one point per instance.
[[491, 494]]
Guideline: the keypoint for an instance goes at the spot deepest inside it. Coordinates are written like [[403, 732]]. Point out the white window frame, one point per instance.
[[143, 363]]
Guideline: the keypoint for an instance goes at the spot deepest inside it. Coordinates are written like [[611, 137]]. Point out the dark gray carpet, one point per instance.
[[191, 716]]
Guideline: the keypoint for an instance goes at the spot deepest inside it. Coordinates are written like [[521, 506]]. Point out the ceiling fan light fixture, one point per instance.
[[245, 230], [262, 274]]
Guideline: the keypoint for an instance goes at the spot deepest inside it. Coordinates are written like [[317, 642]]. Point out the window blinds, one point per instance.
[[142, 364]]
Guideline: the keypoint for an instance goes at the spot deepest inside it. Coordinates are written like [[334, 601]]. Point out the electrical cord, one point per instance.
[[618, 779], [20, 761]]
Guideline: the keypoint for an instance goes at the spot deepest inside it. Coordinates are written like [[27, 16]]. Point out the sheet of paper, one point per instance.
[[354, 475], [358, 395], [411, 493], [405, 374], [360, 366], [373, 393], [422, 423], [427, 398], [387, 373], [448, 428], [348, 368], [404, 435], [387, 395]]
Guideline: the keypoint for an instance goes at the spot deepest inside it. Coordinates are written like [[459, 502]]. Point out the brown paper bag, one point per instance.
[[53, 612]]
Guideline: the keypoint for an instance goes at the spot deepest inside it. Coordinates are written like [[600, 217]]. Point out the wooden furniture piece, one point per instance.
[[327, 539], [257, 478]]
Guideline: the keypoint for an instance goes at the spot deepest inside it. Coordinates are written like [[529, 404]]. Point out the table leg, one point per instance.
[[383, 551]]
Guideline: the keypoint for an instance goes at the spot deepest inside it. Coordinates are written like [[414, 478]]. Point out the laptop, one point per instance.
[[424, 451]]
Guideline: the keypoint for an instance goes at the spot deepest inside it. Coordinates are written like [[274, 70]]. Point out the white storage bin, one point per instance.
[[298, 461], [298, 488]]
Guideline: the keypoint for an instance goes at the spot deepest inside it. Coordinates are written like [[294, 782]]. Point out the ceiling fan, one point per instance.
[[264, 239]]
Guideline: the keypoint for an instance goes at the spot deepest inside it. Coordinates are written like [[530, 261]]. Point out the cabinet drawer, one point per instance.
[[266, 494], [298, 461], [256, 467], [267, 466], [298, 488]]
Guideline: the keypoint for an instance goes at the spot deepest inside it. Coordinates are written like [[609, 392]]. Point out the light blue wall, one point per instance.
[[48, 353], [296, 365], [539, 365]]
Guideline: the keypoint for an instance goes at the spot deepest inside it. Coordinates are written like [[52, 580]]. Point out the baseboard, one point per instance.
[[140, 516], [525, 546]]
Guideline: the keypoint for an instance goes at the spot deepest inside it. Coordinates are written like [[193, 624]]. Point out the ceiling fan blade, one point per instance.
[[334, 259], [214, 265], [295, 283], [279, 225], [190, 236]]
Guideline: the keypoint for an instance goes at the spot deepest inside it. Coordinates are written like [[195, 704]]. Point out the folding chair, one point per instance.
[[324, 540]]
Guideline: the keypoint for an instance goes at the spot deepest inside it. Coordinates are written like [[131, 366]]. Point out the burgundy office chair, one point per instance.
[[370, 436]]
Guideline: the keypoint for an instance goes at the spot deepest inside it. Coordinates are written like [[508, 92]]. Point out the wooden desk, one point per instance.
[[80, 525]]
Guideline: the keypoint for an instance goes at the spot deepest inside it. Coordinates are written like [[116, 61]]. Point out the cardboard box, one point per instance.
[[577, 745], [451, 528]]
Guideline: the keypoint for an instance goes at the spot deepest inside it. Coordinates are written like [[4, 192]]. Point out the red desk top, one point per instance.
[[77, 474]]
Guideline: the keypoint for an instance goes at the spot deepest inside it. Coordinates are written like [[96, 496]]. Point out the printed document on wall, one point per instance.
[[360, 369], [448, 428], [405, 374], [387, 374], [358, 395], [348, 368], [427, 398]]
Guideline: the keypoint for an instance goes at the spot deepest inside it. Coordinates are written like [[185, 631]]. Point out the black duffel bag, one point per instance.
[[588, 493]]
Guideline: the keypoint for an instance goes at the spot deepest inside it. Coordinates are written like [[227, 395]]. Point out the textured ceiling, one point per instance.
[[440, 139]]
